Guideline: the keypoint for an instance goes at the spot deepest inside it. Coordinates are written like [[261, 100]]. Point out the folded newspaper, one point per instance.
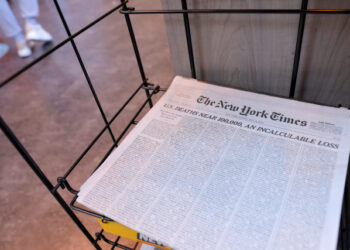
[[210, 167]]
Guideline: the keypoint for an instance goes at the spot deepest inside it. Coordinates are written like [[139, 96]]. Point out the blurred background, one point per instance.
[[52, 111]]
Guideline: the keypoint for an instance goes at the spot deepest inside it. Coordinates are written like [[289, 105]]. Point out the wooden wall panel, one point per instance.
[[255, 52], [324, 74]]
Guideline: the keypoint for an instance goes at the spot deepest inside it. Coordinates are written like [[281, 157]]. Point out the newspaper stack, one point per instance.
[[217, 168]]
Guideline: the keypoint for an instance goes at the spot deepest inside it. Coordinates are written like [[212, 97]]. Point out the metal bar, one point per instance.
[[109, 151], [32, 63], [82, 210], [104, 238], [134, 44], [100, 236], [188, 39], [137, 53], [131, 122], [98, 136], [155, 91], [65, 184], [97, 234], [83, 68], [239, 11], [151, 88], [342, 232], [298, 49], [36, 169], [137, 243], [115, 244], [345, 212]]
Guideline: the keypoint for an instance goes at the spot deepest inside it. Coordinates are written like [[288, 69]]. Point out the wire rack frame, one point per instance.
[[150, 90]]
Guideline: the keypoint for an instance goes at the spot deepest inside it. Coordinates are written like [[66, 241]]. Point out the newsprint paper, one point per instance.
[[216, 168]]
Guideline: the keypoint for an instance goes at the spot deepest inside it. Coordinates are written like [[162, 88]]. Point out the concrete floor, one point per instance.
[[51, 110]]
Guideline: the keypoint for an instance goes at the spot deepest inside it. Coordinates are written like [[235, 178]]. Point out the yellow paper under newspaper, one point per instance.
[[115, 228]]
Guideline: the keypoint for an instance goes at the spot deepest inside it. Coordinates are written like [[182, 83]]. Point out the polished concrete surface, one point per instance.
[[51, 110]]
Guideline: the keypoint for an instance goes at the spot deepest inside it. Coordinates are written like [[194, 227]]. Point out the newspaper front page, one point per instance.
[[217, 168]]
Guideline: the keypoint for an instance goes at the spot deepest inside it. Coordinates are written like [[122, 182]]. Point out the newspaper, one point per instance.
[[217, 168]]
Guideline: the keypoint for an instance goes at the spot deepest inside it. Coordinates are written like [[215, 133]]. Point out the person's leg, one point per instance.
[[8, 21], [30, 11], [11, 28], [29, 8]]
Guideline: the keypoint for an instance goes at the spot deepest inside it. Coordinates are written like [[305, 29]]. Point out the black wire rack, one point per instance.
[[150, 90]]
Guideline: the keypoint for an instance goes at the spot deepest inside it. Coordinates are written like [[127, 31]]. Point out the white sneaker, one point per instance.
[[37, 33], [22, 49]]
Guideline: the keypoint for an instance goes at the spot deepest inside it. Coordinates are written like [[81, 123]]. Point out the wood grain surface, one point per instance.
[[324, 73], [256, 51]]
